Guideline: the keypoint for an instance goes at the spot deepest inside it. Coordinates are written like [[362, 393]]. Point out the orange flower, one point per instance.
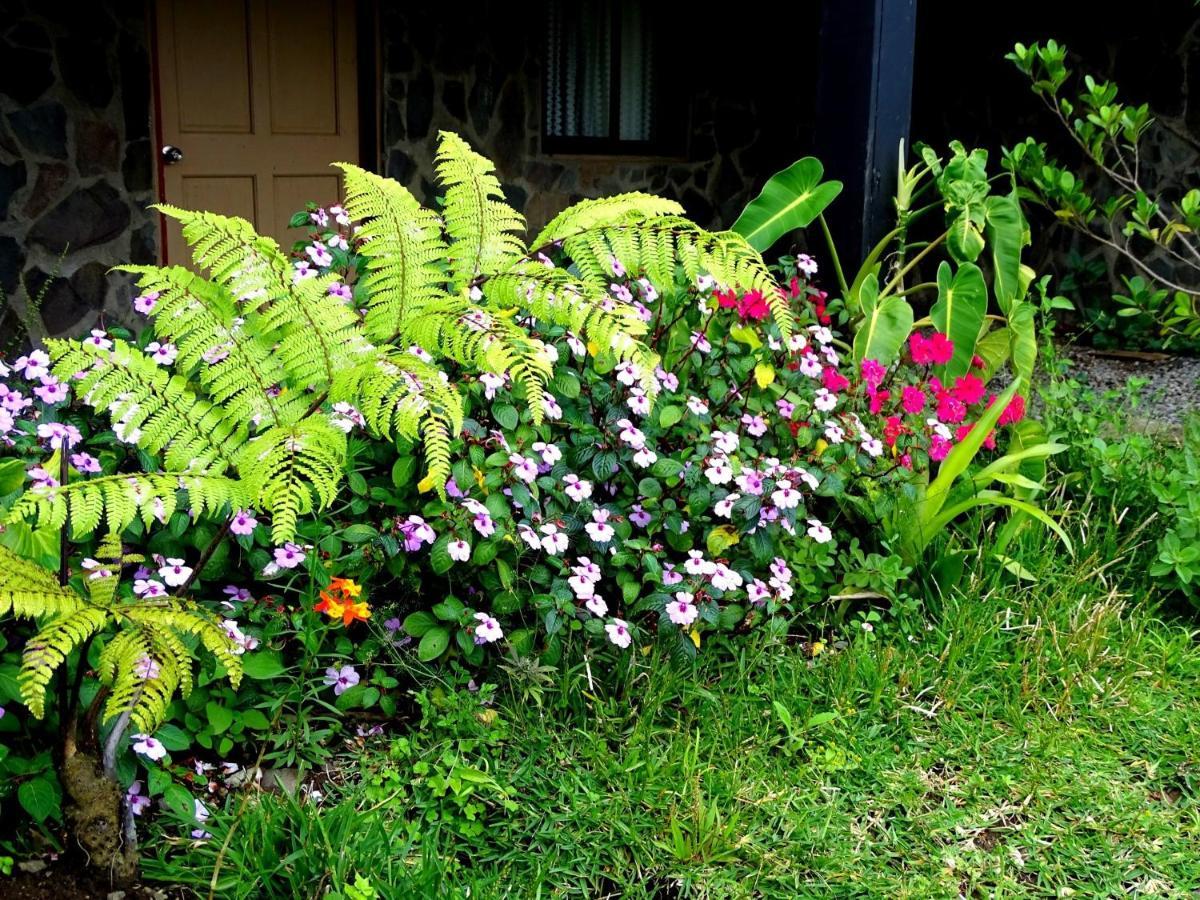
[[338, 602]]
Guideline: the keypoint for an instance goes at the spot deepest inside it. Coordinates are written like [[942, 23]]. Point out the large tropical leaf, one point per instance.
[[791, 199], [1022, 336], [959, 312], [885, 326], [1006, 234]]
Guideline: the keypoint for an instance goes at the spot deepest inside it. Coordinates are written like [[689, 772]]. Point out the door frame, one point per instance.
[[369, 46]]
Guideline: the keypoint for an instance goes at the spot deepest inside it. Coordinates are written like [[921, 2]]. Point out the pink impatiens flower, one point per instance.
[[243, 522], [289, 556], [341, 680]]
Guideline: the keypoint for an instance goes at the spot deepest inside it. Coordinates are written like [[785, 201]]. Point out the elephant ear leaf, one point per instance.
[[1022, 337], [885, 326], [1007, 237], [959, 312], [791, 199]]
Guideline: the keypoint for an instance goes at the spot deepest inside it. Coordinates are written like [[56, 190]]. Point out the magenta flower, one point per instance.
[[51, 390], [243, 522], [85, 463], [289, 556]]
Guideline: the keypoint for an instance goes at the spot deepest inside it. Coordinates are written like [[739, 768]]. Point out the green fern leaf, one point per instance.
[[482, 227]]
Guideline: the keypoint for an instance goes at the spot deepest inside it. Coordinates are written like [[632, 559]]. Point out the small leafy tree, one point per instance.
[[1121, 210]]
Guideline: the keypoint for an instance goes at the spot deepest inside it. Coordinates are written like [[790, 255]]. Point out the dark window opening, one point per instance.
[[608, 83]]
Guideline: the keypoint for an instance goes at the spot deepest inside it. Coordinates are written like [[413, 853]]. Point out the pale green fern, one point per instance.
[[149, 639]]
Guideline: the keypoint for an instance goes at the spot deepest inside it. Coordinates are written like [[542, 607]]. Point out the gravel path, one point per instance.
[[1173, 388]]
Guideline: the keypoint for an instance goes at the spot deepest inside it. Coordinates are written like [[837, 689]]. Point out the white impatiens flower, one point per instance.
[[810, 366], [696, 564], [638, 402], [529, 536], [163, 354], [806, 265], [825, 400], [697, 406], [834, 433], [628, 373], [524, 468], [681, 610], [725, 441], [553, 541], [821, 334], [598, 529], [596, 606], [785, 496], [549, 453], [631, 434], [149, 747], [872, 447], [724, 506], [725, 579], [645, 458], [718, 470], [174, 572], [491, 383], [459, 551], [818, 532], [618, 633], [488, 630], [578, 489]]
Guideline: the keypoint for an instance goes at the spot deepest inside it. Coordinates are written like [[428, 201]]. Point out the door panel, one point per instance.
[[260, 96]]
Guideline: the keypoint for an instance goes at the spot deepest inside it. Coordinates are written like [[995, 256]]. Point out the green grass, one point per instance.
[[1018, 739]]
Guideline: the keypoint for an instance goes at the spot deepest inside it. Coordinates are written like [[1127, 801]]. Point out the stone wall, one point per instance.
[[749, 109], [75, 158]]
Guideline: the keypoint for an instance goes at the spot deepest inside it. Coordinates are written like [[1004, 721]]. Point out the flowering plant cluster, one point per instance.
[[712, 507]]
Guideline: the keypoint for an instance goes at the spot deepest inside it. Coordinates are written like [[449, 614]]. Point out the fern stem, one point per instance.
[[205, 556], [65, 531]]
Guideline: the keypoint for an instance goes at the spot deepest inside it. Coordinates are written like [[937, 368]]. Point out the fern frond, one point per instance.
[[150, 402], [293, 471], [187, 618], [250, 266], [119, 499], [231, 359], [400, 394], [482, 227], [589, 214], [403, 247], [315, 333], [47, 649], [29, 591]]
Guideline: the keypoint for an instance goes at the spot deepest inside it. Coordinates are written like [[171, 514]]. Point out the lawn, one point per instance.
[[1030, 739]]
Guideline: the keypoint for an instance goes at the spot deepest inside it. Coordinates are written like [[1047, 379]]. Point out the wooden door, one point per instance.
[[260, 97]]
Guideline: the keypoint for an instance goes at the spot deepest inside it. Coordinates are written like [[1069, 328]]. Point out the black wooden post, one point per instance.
[[864, 96]]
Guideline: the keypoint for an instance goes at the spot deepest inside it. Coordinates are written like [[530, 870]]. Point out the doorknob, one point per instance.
[[171, 154]]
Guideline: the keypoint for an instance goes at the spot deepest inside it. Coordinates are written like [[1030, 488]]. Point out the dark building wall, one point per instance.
[[965, 89], [75, 155], [749, 98]]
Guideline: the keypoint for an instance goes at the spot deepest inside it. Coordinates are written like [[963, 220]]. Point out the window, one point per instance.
[[607, 82]]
